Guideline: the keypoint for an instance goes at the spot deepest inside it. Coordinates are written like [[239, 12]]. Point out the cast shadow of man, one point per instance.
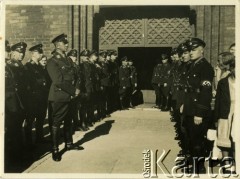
[[100, 130]]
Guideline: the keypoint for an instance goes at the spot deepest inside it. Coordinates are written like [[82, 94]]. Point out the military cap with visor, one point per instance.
[[174, 51], [60, 38], [195, 42], [37, 48], [72, 53], [103, 54], [93, 52], [85, 53], [19, 47], [113, 52], [124, 59], [183, 47]]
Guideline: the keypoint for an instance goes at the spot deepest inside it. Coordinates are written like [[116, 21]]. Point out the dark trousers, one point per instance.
[[37, 111], [13, 135], [73, 112], [196, 134], [82, 110], [90, 107], [50, 120], [125, 97], [101, 103], [157, 93], [60, 114], [165, 97], [115, 98], [109, 101]]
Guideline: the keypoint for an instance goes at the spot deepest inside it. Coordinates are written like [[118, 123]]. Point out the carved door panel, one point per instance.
[[121, 33], [164, 32]]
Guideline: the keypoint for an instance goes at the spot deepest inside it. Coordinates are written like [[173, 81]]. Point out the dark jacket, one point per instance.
[[105, 74], [165, 74], [61, 73], [222, 103], [124, 77], [90, 77], [133, 75], [16, 86], [156, 74], [198, 93]]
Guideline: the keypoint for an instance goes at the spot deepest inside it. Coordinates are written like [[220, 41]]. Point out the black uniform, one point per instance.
[[100, 92], [133, 79], [37, 101], [106, 82], [16, 87], [165, 78], [90, 82], [83, 98], [114, 80], [156, 84], [176, 71], [197, 99], [124, 86], [74, 104]]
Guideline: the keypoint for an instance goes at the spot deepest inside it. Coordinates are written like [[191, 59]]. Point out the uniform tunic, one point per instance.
[[198, 96], [62, 88]]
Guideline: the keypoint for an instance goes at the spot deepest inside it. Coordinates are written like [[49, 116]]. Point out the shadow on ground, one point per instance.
[[23, 160]]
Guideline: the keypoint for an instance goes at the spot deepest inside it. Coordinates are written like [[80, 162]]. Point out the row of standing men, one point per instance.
[[66, 89], [185, 85]]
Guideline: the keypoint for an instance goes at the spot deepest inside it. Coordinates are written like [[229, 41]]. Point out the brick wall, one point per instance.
[[216, 26], [40, 24], [37, 24]]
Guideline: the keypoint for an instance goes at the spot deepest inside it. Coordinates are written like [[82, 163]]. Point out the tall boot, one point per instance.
[[82, 115], [166, 106], [121, 103], [69, 141], [55, 151], [28, 137]]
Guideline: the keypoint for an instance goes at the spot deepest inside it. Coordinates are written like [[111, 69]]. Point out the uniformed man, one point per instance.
[[175, 79], [73, 112], [165, 83], [133, 79], [48, 110], [90, 78], [83, 97], [198, 95], [156, 83], [103, 75], [16, 87], [61, 92], [106, 80], [184, 54], [113, 66], [37, 102], [124, 84]]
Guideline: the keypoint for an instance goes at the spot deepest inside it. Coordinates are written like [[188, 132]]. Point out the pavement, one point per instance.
[[115, 146]]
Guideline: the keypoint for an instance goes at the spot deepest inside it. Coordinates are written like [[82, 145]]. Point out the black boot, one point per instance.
[[69, 141], [166, 106], [55, 151]]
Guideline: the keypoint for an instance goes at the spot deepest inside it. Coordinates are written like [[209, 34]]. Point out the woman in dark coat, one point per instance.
[[224, 113]]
